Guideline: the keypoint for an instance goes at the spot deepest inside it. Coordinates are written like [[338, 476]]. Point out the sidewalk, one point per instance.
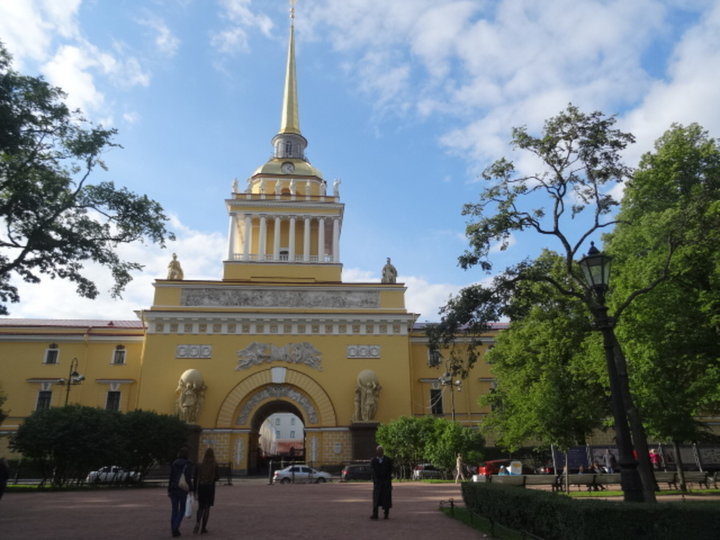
[[248, 509]]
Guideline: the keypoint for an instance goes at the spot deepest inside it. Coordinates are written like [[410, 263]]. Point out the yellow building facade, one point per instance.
[[280, 332]]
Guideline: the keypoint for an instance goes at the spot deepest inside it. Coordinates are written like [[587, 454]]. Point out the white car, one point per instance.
[[111, 473], [300, 473]]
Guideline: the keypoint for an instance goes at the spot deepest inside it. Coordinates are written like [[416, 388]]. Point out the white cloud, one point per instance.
[[28, 26], [57, 299], [690, 93], [165, 40], [240, 19]]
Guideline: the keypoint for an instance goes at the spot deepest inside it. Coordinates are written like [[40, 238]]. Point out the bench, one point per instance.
[[509, 479], [666, 477], [695, 477], [543, 480]]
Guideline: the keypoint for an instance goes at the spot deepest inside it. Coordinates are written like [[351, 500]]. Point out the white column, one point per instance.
[[321, 240], [291, 246], [306, 240], [248, 236], [336, 240], [276, 240], [263, 238], [231, 238]]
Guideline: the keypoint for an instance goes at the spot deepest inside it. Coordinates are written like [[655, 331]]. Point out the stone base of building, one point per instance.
[[363, 439]]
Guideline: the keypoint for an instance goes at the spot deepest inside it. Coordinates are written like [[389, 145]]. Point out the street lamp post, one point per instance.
[[73, 378], [596, 269], [455, 385]]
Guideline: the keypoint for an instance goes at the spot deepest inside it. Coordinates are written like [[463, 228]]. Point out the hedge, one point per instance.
[[557, 517]]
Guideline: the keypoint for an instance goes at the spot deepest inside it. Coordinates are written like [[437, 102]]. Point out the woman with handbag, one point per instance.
[[205, 477], [179, 485]]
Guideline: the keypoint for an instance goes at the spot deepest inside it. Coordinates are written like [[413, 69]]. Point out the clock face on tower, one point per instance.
[[287, 167]]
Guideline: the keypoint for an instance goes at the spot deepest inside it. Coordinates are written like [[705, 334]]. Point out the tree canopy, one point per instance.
[[411, 440], [68, 442], [551, 385], [52, 218], [670, 217]]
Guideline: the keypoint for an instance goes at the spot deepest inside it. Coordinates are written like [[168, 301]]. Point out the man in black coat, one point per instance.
[[381, 467]]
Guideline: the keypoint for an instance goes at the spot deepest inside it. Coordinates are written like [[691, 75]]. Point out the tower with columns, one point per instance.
[[285, 222]]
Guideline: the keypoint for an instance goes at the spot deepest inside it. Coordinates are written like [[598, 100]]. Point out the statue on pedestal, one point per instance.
[[389, 273], [191, 394], [367, 394], [175, 271]]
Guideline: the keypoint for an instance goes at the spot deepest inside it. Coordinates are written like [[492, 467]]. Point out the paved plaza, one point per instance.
[[248, 509]]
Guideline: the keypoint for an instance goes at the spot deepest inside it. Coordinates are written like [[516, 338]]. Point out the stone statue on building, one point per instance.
[[175, 271], [190, 395], [336, 187], [235, 186], [249, 186], [293, 187], [367, 393], [389, 273]]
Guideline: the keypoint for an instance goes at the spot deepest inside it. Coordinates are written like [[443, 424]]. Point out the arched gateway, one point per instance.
[[261, 394]]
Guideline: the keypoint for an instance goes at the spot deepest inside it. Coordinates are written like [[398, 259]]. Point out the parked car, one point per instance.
[[427, 470], [111, 473], [356, 471], [300, 474], [493, 467]]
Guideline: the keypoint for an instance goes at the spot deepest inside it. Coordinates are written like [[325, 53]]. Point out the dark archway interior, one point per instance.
[[260, 464]]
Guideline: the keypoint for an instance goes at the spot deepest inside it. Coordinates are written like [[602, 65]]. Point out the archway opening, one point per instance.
[[277, 437]]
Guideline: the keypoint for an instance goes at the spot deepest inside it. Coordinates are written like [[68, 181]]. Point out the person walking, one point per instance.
[[205, 477], [459, 469], [179, 485], [381, 467]]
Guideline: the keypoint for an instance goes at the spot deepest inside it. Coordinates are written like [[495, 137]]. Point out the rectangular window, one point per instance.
[[113, 401], [277, 421], [436, 405], [51, 355], [292, 434], [292, 421], [119, 355], [277, 434], [44, 398]]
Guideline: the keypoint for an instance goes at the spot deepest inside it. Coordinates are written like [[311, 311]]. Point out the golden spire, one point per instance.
[[290, 121]]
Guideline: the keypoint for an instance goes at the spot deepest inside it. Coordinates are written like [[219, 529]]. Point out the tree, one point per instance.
[[405, 439], [548, 367], [671, 333], [53, 219], [569, 200], [450, 439], [69, 441], [151, 438]]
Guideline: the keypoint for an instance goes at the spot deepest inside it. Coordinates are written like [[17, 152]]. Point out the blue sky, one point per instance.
[[406, 101]]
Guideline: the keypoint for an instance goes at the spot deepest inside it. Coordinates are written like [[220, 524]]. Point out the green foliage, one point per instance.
[[70, 441], [549, 515], [549, 369], [405, 438], [671, 227], [411, 440], [53, 220], [580, 157], [151, 438], [450, 439]]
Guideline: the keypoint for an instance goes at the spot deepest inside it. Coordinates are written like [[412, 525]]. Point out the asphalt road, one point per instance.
[[247, 509]]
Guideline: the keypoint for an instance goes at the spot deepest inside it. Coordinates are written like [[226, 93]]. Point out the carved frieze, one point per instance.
[[363, 351], [293, 353], [278, 391], [206, 296], [193, 351]]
